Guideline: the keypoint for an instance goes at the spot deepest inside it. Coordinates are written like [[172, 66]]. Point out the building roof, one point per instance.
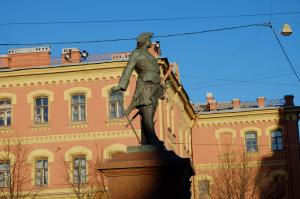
[[201, 108]]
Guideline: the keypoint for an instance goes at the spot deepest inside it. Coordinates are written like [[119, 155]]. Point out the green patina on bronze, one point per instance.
[[148, 86]]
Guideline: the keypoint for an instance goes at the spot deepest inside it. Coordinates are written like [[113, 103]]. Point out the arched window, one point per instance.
[[78, 107], [204, 188], [251, 141], [41, 171], [79, 169], [4, 173], [116, 104], [276, 140], [41, 110], [5, 112]]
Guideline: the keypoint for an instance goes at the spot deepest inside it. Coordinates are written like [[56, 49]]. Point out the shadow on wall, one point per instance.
[[282, 165]]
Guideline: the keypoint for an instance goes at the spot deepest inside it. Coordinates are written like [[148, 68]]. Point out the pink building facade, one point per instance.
[[66, 118], [62, 116]]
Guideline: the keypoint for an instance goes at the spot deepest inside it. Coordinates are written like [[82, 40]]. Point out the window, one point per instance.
[[4, 174], [5, 112], [41, 110], [79, 170], [78, 107], [41, 172], [276, 140], [204, 188], [116, 104], [251, 141]]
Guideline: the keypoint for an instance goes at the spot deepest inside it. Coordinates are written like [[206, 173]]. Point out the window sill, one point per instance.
[[78, 124], [40, 127], [42, 186], [252, 153], [116, 122], [5, 129]]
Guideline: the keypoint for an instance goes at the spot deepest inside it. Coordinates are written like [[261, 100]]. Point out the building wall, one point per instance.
[[203, 137], [210, 144], [98, 136]]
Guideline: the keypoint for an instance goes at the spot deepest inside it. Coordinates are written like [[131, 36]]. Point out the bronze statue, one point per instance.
[[148, 87]]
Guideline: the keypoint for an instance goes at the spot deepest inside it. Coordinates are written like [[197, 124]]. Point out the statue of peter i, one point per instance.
[[148, 87]]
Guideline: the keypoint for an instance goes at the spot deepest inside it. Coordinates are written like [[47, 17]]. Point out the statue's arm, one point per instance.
[[124, 80]]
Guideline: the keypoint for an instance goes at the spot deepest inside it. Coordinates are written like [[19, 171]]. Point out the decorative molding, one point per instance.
[[269, 129], [6, 130], [114, 148], [36, 93], [216, 166], [243, 131], [62, 74], [40, 127], [116, 122], [78, 125], [106, 89], [77, 90], [225, 130], [72, 137], [11, 96], [78, 150], [105, 93], [5, 155], [245, 117], [40, 153]]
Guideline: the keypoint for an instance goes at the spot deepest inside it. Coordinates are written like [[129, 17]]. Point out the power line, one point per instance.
[[148, 19], [285, 54], [128, 39], [247, 81], [216, 68]]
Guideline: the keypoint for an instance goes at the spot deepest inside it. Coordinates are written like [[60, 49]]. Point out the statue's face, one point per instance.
[[148, 43]]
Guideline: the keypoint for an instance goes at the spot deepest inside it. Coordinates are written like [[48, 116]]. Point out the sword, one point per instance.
[[129, 122]]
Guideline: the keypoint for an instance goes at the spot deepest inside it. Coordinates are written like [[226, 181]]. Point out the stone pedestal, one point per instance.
[[147, 172]]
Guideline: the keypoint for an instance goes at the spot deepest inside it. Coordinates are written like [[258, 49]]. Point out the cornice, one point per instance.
[[216, 166], [62, 74], [234, 118], [60, 137]]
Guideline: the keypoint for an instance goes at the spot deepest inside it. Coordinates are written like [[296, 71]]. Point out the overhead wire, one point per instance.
[[133, 38], [247, 81], [148, 19], [285, 53], [220, 65]]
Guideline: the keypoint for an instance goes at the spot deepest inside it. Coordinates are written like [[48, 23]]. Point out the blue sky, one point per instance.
[[241, 63]]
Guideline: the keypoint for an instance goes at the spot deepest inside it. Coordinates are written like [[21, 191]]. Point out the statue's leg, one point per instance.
[[147, 125]]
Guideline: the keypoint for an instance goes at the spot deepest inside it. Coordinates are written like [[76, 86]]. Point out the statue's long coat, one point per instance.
[[148, 82]]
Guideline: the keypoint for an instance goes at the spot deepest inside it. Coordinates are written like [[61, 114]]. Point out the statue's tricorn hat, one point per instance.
[[143, 37]]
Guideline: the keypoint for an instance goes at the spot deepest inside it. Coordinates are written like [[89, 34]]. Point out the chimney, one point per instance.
[[155, 49], [26, 57], [4, 61], [212, 105], [70, 55], [209, 97], [261, 102], [236, 103], [289, 100]]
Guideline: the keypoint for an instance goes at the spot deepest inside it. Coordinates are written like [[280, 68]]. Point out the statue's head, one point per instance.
[[144, 39]]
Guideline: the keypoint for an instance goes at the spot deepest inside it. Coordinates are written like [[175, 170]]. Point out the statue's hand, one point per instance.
[[115, 89]]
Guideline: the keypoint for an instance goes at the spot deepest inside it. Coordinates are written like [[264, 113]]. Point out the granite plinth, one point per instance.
[[148, 173]]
